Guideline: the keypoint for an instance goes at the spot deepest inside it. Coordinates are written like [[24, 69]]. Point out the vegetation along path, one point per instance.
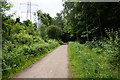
[[54, 65]]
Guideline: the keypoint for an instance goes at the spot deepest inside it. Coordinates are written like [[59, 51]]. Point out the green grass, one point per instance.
[[87, 63]]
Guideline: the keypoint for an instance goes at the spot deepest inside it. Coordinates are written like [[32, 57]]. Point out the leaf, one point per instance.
[[7, 68]]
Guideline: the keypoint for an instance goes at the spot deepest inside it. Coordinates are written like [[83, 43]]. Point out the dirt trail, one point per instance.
[[53, 65]]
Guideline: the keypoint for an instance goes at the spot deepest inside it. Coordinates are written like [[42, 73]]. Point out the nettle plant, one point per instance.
[[112, 45]]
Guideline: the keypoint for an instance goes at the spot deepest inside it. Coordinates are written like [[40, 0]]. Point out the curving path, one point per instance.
[[53, 65]]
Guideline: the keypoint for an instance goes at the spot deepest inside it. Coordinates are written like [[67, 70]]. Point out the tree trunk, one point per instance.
[[101, 34], [87, 26]]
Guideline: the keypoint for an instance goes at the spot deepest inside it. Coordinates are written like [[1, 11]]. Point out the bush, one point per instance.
[[43, 32], [22, 38], [14, 58], [22, 48], [54, 32], [109, 46], [60, 42], [17, 28]]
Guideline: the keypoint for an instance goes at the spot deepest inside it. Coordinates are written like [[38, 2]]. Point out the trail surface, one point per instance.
[[53, 65]]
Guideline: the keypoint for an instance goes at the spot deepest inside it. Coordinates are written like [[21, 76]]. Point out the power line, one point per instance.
[[29, 10]]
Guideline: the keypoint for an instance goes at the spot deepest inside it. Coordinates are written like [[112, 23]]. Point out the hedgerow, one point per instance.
[[23, 47]]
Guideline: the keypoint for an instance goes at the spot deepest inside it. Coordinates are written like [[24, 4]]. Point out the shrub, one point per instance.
[[43, 32], [54, 32], [15, 57], [17, 28], [22, 48], [60, 42], [109, 46], [22, 38]]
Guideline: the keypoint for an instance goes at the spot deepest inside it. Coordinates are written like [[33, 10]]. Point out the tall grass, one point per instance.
[[88, 62]]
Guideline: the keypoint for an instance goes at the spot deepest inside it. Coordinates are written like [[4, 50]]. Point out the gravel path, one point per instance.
[[53, 65]]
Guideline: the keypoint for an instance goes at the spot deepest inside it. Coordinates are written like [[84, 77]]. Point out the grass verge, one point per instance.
[[87, 63]]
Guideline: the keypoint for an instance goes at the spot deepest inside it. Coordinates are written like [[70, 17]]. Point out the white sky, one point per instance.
[[46, 6]]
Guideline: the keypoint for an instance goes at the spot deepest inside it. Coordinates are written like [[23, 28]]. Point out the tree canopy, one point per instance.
[[87, 21]]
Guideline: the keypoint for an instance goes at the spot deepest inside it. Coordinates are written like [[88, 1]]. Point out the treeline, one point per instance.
[[87, 21], [96, 28], [84, 21]]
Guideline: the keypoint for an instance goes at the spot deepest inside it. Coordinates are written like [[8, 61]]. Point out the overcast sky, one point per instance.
[[46, 6]]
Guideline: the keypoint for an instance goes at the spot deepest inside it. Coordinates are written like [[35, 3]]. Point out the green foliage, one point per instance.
[[22, 45], [43, 31], [86, 21], [58, 21], [45, 18], [17, 20], [4, 5], [15, 56], [54, 32], [60, 42], [17, 28], [88, 62], [27, 23], [96, 59], [110, 46], [54, 40]]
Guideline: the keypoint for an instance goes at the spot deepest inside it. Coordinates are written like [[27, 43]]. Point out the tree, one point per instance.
[[27, 23], [17, 20], [86, 21], [43, 32], [45, 18], [58, 21], [4, 6], [54, 32]]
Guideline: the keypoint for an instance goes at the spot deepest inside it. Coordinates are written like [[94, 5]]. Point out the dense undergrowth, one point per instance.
[[22, 47], [96, 59]]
